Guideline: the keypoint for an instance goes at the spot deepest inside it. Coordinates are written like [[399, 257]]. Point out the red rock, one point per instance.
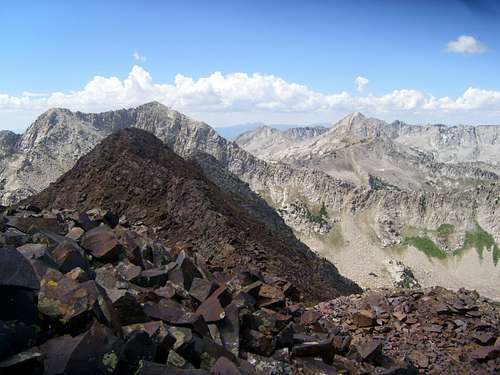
[[72, 304], [401, 316], [485, 353], [202, 288], [102, 243], [211, 310], [370, 350], [68, 256], [253, 289], [310, 317], [88, 353], [270, 295], [364, 318], [75, 233], [31, 224], [411, 320], [257, 342]]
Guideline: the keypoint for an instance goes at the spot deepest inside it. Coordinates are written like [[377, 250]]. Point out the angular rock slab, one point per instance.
[[102, 243], [16, 270], [93, 352], [73, 304]]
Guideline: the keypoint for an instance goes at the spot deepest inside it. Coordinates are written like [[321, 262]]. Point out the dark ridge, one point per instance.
[[132, 173]]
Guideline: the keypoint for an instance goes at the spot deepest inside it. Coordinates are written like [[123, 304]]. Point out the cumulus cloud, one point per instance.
[[139, 57], [362, 83], [466, 44], [249, 94]]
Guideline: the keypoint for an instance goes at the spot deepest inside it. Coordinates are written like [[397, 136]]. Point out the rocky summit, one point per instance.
[[133, 173], [85, 293]]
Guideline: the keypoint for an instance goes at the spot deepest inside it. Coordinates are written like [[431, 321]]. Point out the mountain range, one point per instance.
[[380, 200]]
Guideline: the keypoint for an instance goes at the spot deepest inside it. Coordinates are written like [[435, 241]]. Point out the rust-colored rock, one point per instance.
[[101, 243]]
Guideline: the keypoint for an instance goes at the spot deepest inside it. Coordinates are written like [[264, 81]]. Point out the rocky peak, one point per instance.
[[132, 173], [358, 126]]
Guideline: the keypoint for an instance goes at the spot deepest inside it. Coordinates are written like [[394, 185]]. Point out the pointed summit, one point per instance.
[[359, 126]]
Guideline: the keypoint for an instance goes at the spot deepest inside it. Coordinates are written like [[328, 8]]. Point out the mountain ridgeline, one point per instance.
[[358, 192]]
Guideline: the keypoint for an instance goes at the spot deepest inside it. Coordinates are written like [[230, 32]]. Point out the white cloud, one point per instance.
[[361, 83], [139, 57], [466, 44], [218, 95]]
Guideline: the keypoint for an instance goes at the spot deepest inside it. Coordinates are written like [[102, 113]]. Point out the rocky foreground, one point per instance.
[[88, 293]]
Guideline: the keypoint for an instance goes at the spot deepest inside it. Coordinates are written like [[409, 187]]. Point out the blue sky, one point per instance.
[[323, 46]]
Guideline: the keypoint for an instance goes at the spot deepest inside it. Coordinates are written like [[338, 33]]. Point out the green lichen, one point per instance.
[[49, 307], [110, 361]]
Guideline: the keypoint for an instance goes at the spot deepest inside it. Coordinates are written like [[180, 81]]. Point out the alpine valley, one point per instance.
[[389, 204]]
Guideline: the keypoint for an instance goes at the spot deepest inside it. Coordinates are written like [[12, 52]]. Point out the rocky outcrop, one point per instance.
[[8, 142], [147, 308]]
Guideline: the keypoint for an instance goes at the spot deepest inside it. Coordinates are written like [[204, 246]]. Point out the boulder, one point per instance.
[[16, 270], [127, 306], [75, 233], [201, 289], [256, 342], [371, 351], [69, 255], [139, 347], [94, 352], [72, 305], [364, 318], [102, 243], [32, 224]]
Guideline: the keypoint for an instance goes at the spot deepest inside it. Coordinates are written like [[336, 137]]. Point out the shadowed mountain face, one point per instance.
[[131, 172]]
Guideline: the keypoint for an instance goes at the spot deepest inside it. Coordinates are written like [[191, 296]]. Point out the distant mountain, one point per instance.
[[408, 156], [354, 193], [268, 140], [233, 131]]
